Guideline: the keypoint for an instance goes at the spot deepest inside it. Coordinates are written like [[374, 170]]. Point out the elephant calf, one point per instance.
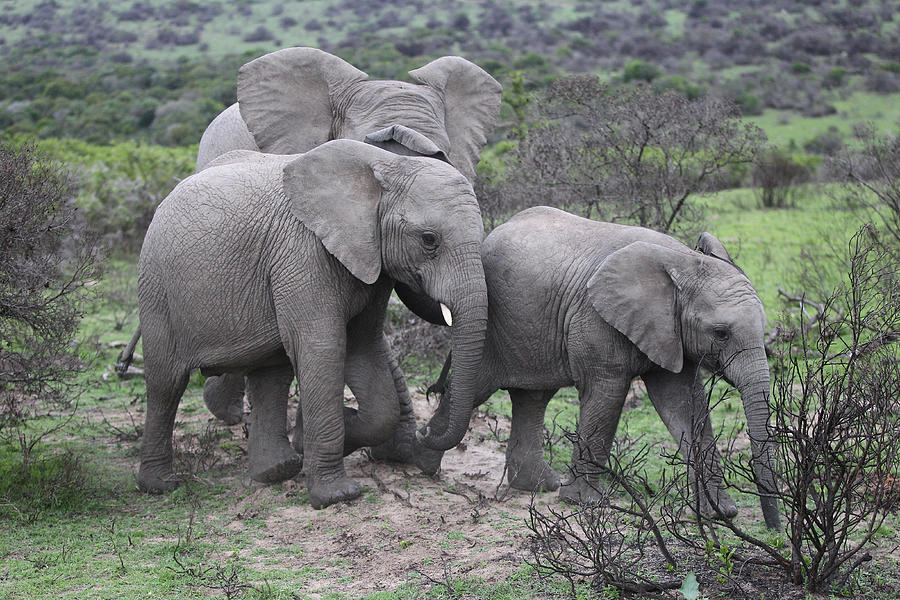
[[594, 305], [268, 265]]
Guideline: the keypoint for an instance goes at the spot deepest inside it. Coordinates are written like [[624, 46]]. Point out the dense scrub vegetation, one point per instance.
[[160, 71]]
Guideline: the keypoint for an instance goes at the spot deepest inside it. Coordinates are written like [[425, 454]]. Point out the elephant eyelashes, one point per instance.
[[721, 334], [430, 241]]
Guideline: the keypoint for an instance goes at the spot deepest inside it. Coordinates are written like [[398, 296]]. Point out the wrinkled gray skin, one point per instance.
[[294, 99], [269, 265], [594, 305]]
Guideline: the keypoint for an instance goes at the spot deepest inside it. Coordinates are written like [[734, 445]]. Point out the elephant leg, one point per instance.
[[526, 468], [400, 447], [369, 375], [224, 397], [601, 400], [271, 457], [319, 365], [680, 400], [166, 381]]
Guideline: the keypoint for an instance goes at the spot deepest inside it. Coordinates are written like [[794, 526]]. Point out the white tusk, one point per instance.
[[448, 316], [421, 435]]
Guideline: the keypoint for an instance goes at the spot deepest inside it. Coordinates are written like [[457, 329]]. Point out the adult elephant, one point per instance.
[[267, 266], [594, 305], [292, 100]]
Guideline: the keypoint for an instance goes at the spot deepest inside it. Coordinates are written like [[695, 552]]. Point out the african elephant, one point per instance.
[[284, 264], [594, 305], [292, 100]]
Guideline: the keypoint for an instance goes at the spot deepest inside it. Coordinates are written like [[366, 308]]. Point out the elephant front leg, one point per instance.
[[601, 402], [271, 457], [525, 465], [321, 378], [680, 400]]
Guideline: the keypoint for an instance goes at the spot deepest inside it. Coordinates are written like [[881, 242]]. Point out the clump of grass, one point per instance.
[[52, 482]]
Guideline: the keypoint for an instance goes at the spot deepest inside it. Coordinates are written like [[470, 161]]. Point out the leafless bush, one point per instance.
[[622, 154], [776, 176], [874, 176], [616, 542], [45, 264]]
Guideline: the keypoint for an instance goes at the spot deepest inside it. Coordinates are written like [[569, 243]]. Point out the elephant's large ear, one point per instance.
[[634, 290], [334, 190], [285, 97], [710, 245], [471, 106]]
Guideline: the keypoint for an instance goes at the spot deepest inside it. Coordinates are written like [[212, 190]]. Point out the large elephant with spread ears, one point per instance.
[[294, 99], [266, 266], [594, 305]]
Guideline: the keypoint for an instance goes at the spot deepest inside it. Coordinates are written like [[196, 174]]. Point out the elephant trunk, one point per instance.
[[750, 375], [469, 313]]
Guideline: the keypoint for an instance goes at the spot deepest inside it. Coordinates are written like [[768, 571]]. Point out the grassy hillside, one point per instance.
[[159, 71]]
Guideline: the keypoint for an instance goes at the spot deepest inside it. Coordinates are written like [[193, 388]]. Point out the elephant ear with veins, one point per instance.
[[471, 106], [634, 289], [285, 97], [335, 191]]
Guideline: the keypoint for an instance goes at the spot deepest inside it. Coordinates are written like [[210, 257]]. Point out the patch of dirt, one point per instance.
[[464, 522]]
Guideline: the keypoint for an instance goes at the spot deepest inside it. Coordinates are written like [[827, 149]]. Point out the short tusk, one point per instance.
[[448, 316], [421, 435]]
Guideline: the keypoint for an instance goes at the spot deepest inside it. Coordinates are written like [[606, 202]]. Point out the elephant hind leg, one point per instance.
[[271, 457], [166, 382], [224, 397], [400, 447], [526, 468]]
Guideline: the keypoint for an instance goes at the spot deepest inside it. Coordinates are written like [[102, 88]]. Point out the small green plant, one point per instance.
[[722, 559]]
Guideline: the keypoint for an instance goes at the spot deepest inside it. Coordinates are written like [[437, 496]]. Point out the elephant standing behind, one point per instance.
[[292, 100], [579, 302], [274, 265]]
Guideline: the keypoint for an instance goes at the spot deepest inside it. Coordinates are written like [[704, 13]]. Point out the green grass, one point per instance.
[[788, 129]]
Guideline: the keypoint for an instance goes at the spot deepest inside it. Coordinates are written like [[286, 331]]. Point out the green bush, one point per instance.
[[638, 70]]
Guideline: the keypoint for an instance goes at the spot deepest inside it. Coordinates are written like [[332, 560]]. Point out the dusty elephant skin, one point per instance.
[[292, 100], [594, 305], [264, 265]]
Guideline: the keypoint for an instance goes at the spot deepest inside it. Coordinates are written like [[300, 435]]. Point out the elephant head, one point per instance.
[[427, 235], [674, 305], [294, 99]]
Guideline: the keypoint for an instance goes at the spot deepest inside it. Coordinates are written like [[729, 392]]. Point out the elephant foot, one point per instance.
[[224, 397], [532, 476], [726, 505], [272, 470], [157, 482], [400, 448], [325, 493], [580, 491], [428, 460], [271, 457]]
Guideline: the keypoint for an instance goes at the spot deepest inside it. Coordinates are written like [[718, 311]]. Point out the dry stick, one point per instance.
[[384, 489]]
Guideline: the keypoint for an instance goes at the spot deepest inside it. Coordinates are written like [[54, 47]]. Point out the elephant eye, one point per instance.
[[430, 240], [721, 334]]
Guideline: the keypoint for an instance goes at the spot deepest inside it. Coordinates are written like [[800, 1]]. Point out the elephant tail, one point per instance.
[[127, 354], [439, 387]]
